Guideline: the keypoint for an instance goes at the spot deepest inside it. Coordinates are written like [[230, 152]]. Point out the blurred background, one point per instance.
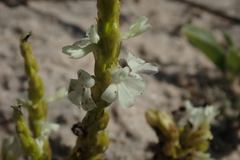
[[185, 73]]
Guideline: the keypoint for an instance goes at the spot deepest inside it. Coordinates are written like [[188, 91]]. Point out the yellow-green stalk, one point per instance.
[[35, 90], [93, 140], [38, 109], [28, 143]]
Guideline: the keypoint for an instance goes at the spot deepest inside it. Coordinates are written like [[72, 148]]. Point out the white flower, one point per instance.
[[124, 87], [210, 112], [46, 129], [77, 51], [196, 115], [126, 80], [79, 91], [200, 115], [92, 36], [138, 27], [138, 65]]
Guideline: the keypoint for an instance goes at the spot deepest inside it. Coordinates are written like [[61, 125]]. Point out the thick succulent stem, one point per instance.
[[93, 140]]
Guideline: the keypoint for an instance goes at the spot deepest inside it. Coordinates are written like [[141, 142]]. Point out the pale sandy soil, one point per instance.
[[183, 69]]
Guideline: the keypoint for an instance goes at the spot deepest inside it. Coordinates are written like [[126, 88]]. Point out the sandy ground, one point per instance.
[[60, 23]]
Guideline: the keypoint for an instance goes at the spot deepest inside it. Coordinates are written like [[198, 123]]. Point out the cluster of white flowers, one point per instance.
[[199, 116], [200, 119], [126, 79]]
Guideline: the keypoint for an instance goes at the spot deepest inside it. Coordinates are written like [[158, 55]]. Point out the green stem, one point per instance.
[[107, 56]]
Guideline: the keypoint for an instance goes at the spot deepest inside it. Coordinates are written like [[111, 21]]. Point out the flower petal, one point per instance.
[[138, 27], [210, 112], [87, 101], [135, 86], [92, 34], [40, 142], [146, 68], [47, 128], [113, 70], [75, 98], [137, 65], [74, 93], [133, 60], [79, 92], [196, 117], [72, 85], [142, 30], [82, 42], [141, 21], [85, 78], [126, 99], [78, 52], [110, 94], [81, 52], [124, 73], [69, 50], [135, 75]]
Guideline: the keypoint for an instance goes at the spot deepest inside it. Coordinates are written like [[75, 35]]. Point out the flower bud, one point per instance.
[[159, 119]]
